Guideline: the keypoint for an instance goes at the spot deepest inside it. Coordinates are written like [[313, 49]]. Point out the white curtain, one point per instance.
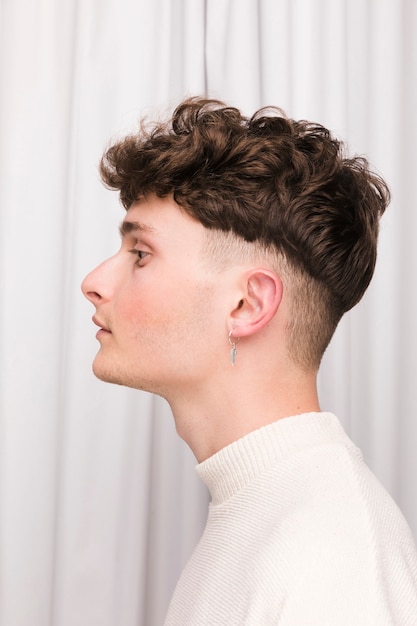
[[99, 502]]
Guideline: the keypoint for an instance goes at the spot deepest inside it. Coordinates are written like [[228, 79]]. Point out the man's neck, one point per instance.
[[215, 416]]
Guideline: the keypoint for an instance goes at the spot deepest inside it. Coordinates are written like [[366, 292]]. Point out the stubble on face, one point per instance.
[[170, 350]]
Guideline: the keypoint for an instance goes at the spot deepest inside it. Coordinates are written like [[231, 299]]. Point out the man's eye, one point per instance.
[[140, 255]]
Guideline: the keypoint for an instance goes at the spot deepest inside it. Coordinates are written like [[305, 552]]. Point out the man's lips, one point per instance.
[[100, 325]]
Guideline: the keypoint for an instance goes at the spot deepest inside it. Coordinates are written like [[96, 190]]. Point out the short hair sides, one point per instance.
[[310, 306], [281, 183]]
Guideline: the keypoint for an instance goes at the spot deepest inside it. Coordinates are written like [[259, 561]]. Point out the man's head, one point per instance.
[[265, 187]]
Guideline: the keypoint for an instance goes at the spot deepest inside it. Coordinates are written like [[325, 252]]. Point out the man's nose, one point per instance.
[[96, 286]]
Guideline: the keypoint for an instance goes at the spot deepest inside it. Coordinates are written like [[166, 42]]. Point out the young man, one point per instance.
[[244, 242]]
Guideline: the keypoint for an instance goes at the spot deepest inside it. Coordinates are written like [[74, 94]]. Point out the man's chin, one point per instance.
[[105, 374], [123, 379]]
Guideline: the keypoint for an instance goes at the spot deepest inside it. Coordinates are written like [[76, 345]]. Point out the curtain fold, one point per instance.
[[100, 506]]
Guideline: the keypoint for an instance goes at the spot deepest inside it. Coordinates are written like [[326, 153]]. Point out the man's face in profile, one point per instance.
[[155, 301]]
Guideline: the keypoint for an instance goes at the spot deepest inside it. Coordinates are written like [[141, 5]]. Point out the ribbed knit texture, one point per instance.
[[299, 533]]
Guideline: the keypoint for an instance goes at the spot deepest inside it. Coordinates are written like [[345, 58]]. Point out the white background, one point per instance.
[[99, 502]]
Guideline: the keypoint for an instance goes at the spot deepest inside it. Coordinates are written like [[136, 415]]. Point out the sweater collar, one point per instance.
[[232, 468]]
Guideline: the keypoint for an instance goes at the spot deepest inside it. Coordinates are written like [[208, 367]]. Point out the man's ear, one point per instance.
[[261, 296]]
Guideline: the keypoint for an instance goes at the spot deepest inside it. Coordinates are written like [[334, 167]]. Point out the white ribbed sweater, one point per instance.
[[299, 533]]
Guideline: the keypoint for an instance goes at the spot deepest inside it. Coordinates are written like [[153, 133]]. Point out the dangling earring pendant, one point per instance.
[[233, 351]]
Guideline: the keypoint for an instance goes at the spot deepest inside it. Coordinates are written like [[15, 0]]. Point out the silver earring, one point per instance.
[[233, 351]]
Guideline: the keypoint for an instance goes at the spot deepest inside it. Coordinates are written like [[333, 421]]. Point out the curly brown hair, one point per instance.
[[284, 184]]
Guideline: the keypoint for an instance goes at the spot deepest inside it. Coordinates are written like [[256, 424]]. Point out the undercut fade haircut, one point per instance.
[[281, 184]]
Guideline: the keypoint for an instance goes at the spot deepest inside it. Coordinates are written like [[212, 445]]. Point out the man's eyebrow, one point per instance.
[[129, 227]]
